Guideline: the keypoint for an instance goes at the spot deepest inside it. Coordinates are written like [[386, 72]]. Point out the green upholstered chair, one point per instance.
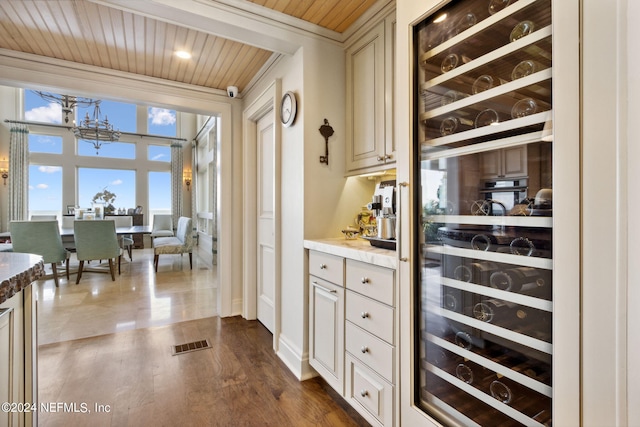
[[162, 226], [44, 218], [181, 243], [96, 240], [40, 238], [126, 240]]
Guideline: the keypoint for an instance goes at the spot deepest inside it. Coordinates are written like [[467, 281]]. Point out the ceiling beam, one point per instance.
[[227, 21]]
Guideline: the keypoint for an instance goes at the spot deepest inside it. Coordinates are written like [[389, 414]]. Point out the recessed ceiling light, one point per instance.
[[183, 54]]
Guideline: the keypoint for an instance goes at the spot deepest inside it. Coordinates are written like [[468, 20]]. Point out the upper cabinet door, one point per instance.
[[365, 100], [370, 78]]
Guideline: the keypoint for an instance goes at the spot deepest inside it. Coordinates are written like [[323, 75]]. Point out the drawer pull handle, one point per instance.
[[364, 280], [364, 314], [323, 266], [364, 393], [364, 349], [332, 291]]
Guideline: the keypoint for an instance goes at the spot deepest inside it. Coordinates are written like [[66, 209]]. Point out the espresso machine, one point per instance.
[[383, 206]]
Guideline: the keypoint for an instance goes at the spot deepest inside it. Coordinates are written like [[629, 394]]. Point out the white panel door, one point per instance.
[[266, 223]]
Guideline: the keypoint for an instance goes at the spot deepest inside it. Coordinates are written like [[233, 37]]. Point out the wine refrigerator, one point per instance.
[[483, 291]]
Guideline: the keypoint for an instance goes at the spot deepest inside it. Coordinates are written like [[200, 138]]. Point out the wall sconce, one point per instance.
[[186, 175], [4, 170]]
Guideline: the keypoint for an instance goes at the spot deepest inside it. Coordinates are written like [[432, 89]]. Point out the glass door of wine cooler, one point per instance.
[[483, 126]]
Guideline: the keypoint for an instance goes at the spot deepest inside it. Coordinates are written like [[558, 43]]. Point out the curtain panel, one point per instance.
[[176, 182], [18, 172]]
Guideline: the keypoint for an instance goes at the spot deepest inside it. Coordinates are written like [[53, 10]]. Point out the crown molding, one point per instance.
[[20, 69]]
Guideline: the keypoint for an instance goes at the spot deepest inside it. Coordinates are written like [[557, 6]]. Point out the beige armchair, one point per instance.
[[40, 238], [162, 226], [181, 243]]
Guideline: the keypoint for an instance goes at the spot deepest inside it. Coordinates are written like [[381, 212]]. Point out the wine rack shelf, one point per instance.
[[492, 256]]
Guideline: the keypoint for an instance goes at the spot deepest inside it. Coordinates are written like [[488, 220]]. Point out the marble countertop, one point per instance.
[[17, 271], [358, 249]]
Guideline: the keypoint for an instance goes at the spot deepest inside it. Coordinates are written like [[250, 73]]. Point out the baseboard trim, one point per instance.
[[297, 363]]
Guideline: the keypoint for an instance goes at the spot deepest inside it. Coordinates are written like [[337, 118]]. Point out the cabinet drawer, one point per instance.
[[327, 267], [371, 315], [371, 395], [371, 280], [370, 350]]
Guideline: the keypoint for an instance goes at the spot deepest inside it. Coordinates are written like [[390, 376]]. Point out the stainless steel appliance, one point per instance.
[[504, 194], [383, 206]]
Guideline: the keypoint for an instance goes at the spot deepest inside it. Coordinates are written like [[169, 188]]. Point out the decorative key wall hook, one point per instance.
[[326, 131]]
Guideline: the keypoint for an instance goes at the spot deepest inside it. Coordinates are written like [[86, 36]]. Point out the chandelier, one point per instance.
[[68, 102], [96, 131]]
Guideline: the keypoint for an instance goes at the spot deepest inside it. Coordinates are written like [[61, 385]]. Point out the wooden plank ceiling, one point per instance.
[[94, 34], [336, 15]]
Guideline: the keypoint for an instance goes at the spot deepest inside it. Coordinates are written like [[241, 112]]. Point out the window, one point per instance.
[[120, 182], [45, 144], [161, 121], [45, 190], [123, 118], [159, 193], [116, 150], [37, 109], [159, 153], [120, 114]]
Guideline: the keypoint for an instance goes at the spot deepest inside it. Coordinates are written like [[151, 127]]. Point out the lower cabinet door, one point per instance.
[[368, 392], [326, 331]]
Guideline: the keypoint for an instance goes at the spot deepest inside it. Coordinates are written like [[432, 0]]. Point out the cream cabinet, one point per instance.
[[353, 334], [369, 61], [370, 372], [326, 317], [8, 365], [504, 163]]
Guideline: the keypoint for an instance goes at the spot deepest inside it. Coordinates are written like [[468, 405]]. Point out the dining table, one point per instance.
[[134, 229]]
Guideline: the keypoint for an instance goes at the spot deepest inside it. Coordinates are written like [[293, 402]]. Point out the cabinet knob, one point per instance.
[[323, 266], [364, 314], [364, 349], [364, 393], [380, 158], [364, 280], [387, 156]]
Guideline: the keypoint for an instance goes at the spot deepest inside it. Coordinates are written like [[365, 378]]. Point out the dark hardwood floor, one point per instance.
[[133, 376]]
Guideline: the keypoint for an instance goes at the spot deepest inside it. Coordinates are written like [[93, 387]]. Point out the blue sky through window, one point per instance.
[[121, 182], [45, 188], [43, 195]]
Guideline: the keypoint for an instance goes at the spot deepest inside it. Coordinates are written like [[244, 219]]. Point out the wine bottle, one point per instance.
[[463, 273], [514, 279], [498, 311], [476, 375], [482, 271], [476, 272]]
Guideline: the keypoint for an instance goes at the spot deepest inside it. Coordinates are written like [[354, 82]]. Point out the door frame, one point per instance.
[[266, 102]]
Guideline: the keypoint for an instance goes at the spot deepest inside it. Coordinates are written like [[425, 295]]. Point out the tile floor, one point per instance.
[[139, 297]]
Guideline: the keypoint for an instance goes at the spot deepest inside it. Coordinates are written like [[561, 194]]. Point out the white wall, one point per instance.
[[633, 207], [9, 108], [317, 201]]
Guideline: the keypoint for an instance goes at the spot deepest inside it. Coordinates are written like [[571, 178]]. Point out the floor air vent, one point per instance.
[[191, 346]]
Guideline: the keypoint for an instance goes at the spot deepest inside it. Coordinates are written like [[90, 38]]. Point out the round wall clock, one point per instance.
[[288, 109]]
